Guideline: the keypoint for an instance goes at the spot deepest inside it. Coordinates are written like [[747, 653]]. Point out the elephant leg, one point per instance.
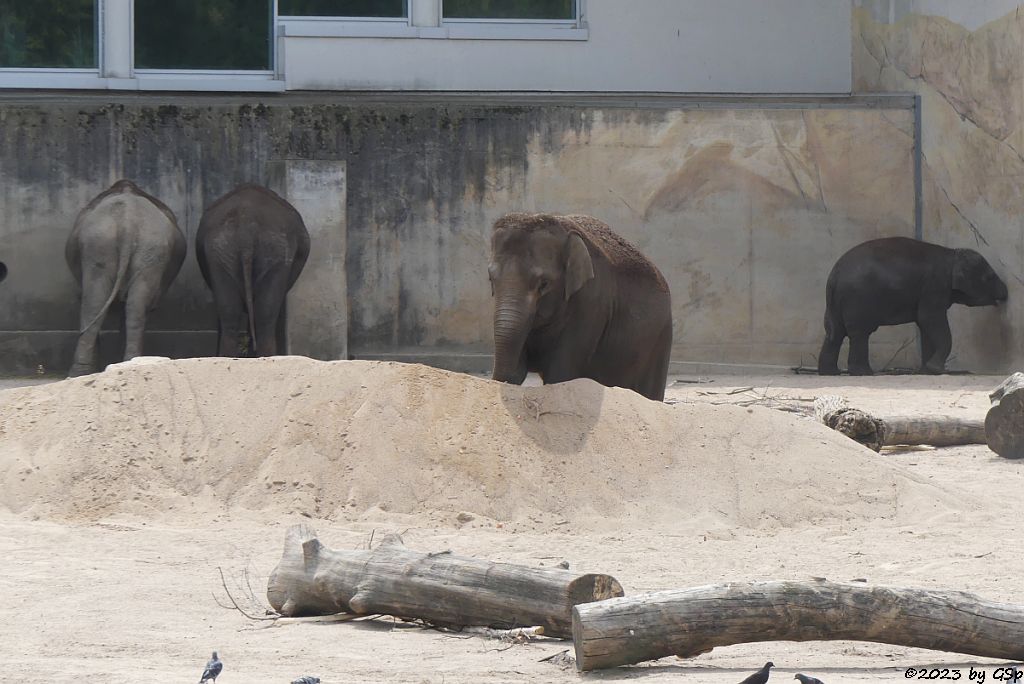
[[858, 359], [652, 385], [934, 325], [927, 347], [137, 302], [283, 346], [230, 307], [96, 287], [270, 293], [566, 362], [828, 357]]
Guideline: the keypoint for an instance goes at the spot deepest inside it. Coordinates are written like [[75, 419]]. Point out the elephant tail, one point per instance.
[[124, 258], [250, 309]]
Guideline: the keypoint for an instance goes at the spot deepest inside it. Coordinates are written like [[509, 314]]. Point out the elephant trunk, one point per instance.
[[512, 322]]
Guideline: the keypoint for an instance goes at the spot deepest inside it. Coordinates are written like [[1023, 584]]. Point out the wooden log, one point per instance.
[[1004, 424], [689, 622], [876, 432], [440, 588]]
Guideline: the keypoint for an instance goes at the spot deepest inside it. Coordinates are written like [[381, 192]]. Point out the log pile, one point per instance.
[[689, 622], [1004, 424], [876, 432], [609, 629], [439, 588]]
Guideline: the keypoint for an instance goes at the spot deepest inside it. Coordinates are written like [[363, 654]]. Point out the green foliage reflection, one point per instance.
[[509, 9], [342, 8], [48, 34], [203, 34]]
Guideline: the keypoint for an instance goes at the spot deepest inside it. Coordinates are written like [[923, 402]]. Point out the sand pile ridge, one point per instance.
[[344, 439]]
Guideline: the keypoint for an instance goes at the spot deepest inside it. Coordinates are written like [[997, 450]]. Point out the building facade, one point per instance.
[[671, 46], [720, 136]]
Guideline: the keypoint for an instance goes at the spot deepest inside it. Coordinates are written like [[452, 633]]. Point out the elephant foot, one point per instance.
[[930, 369], [828, 370], [80, 369], [861, 370]]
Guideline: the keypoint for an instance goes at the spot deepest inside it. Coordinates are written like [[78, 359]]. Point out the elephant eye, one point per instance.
[[543, 285]]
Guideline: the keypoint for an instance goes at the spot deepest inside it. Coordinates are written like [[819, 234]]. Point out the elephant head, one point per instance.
[[537, 264], [974, 281]]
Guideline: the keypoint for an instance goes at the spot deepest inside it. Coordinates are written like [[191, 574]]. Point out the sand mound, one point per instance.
[[345, 439]]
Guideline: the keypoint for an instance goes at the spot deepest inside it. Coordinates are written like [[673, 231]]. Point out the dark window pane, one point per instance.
[[342, 8], [203, 34], [509, 9], [48, 33]]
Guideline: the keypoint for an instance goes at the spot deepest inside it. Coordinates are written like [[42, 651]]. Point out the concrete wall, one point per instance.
[[743, 203], [965, 58], [676, 46]]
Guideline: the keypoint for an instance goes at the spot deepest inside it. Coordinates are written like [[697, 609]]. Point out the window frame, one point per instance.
[[483, 28], [212, 74], [573, 22], [424, 20], [407, 19], [70, 72]]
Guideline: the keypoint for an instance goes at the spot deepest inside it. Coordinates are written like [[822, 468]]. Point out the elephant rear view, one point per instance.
[[125, 246], [251, 246], [574, 300]]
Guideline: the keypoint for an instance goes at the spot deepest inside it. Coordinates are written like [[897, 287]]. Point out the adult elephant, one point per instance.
[[251, 246], [898, 280], [125, 246], [574, 300]]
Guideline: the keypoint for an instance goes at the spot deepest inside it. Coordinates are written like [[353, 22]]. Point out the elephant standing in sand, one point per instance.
[[125, 246], [251, 246], [897, 280], [574, 300]]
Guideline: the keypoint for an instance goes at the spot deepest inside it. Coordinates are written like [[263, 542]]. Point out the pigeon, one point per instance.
[[804, 679], [212, 671], [306, 680], [761, 676]]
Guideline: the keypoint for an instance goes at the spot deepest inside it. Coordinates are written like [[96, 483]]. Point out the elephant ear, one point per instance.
[[578, 268]]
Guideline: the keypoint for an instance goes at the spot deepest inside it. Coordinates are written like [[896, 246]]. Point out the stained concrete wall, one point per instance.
[[674, 46], [965, 58], [743, 203]]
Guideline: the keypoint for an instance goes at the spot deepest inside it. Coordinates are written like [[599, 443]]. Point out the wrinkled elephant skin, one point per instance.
[[125, 246], [574, 300], [251, 246]]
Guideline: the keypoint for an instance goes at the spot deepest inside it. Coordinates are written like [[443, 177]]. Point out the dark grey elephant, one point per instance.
[[251, 246], [125, 246], [898, 280], [574, 300]]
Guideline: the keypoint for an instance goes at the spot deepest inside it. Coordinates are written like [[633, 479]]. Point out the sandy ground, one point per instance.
[[129, 599]]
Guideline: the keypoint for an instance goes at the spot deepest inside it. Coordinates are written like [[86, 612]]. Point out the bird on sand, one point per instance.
[[212, 671], [306, 680], [761, 676], [804, 679]]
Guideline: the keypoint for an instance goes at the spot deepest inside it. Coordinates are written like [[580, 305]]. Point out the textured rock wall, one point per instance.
[[968, 68], [743, 204]]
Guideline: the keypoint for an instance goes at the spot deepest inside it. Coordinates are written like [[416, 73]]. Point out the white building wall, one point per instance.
[[679, 46]]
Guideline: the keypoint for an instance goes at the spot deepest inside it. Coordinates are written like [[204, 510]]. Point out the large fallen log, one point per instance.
[[693, 621], [439, 588], [1004, 424], [876, 432]]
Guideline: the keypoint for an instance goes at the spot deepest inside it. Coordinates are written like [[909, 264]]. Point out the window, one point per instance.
[[48, 34], [343, 8], [229, 35], [510, 9]]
